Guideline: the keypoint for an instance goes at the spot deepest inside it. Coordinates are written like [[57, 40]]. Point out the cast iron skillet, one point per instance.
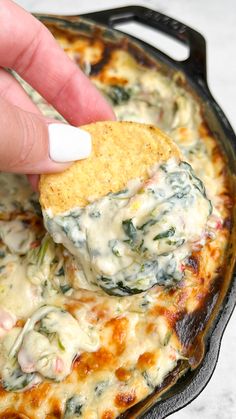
[[194, 67]]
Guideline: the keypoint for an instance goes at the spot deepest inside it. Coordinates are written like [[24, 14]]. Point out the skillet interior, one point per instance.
[[197, 330], [206, 329]]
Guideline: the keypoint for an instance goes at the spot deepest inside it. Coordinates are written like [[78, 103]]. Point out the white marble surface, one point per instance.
[[216, 19]]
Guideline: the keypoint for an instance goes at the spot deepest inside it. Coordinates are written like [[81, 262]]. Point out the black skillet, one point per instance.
[[194, 67]]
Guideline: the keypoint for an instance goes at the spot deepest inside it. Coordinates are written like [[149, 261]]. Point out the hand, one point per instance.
[[26, 143]]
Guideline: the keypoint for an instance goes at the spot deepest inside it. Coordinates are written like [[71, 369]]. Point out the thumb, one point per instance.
[[28, 144]]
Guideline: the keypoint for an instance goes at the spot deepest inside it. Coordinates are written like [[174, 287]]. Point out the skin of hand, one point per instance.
[[27, 47]]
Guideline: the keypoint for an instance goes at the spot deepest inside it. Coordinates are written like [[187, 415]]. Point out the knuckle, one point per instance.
[[23, 139], [28, 142], [28, 136]]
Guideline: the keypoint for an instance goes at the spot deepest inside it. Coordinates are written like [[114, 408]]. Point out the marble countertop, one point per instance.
[[215, 19]]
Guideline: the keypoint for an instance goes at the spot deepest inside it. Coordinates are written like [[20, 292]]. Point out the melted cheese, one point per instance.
[[15, 288], [13, 378], [16, 237], [150, 230], [51, 350], [138, 345]]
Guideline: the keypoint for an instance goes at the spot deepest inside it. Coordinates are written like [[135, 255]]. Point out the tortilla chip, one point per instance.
[[121, 151]]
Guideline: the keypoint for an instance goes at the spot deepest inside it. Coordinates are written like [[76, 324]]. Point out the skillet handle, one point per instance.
[[194, 65]]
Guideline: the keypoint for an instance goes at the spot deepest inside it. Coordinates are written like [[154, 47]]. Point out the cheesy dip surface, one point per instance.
[[129, 241], [67, 351]]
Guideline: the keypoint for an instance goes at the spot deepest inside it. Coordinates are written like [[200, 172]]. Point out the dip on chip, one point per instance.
[[131, 213]]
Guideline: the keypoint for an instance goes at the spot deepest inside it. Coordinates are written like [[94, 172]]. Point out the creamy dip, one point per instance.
[[44, 348], [129, 241], [137, 334]]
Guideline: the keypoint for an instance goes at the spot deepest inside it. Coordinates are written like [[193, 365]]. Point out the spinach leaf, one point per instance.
[[129, 228], [148, 223], [100, 387], [117, 289], [36, 205], [73, 407], [139, 248], [148, 380], [165, 234], [61, 272], [127, 290], [118, 94], [17, 380], [2, 254], [65, 288]]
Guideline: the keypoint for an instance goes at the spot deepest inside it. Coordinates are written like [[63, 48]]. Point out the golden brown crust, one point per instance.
[[12, 414], [121, 151]]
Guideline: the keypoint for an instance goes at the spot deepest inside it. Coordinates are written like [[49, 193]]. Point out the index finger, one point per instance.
[[29, 48]]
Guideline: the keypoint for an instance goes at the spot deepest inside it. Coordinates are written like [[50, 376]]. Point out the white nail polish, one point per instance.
[[68, 143]]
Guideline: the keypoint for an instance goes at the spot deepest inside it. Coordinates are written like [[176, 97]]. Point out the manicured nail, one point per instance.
[[67, 143]]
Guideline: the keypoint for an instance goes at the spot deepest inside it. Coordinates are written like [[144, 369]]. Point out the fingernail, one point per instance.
[[67, 143]]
